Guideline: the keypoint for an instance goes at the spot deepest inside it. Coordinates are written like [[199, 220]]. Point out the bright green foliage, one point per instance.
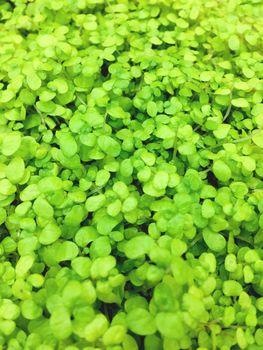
[[114, 335], [141, 322], [138, 246], [170, 325], [109, 145], [49, 234], [221, 171], [60, 323], [232, 288], [131, 166]]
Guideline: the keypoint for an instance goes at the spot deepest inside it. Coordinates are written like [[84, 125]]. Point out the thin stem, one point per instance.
[[80, 99], [200, 145], [237, 140], [206, 170], [227, 112], [257, 189], [197, 239], [228, 109], [41, 115], [247, 138], [97, 189], [243, 240], [197, 128]]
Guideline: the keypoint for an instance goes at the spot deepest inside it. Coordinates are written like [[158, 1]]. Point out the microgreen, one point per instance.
[[131, 164]]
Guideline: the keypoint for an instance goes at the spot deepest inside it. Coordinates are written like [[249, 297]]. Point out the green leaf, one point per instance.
[[109, 145], [240, 102], [170, 325], [42, 208], [215, 241], [15, 170], [29, 193], [95, 202], [248, 73], [152, 109], [106, 225], [24, 264], [160, 180], [164, 132], [234, 42], [116, 112], [81, 265], [85, 235], [46, 95], [46, 40], [50, 184], [46, 107], [138, 246], [232, 288], [221, 170], [114, 335], [60, 323], [49, 234], [206, 76], [141, 322], [3, 215], [11, 143], [59, 84], [33, 81], [96, 328], [208, 209], [6, 96], [100, 247], [248, 163], [93, 118], [67, 144], [187, 149], [66, 251], [150, 190], [102, 266], [30, 309], [258, 138], [241, 85], [9, 310], [222, 131], [6, 187], [15, 114], [223, 91]]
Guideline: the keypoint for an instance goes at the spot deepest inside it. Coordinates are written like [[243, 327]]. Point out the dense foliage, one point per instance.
[[131, 164]]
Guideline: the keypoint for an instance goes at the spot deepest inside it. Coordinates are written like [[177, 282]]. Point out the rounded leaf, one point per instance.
[[221, 170], [141, 322]]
